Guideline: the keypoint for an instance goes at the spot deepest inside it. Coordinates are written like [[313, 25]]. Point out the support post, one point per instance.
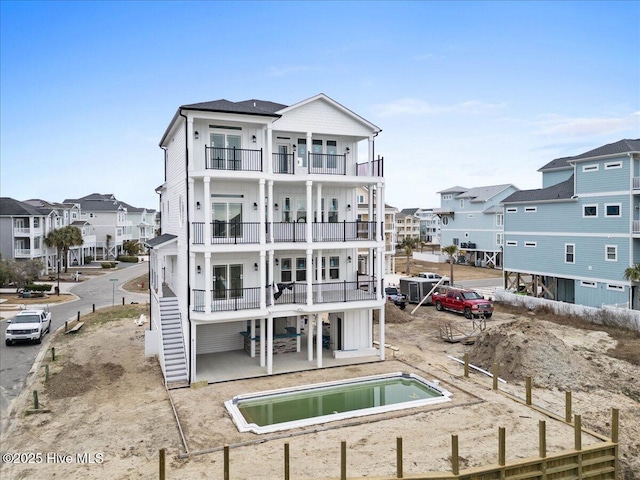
[[455, 461], [615, 419], [78, 317], [528, 387], [162, 463], [46, 373], [542, 438], [567, 407], [466, 365], [53, 354], [94, 308], [343, 460], [36, 405], [495, 376], [226, 462], [578, 432], [286, 461], [502, 448], [399, 468]]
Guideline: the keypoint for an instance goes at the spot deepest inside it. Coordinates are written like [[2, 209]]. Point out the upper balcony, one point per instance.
[[235, 233], [252, 160], [27, 231]]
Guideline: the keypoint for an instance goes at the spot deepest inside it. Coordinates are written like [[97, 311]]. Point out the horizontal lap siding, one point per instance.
[[603, 180], [219, 337], [553, 178], [600, 295]]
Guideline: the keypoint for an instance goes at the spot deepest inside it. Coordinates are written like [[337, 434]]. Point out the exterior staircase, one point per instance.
[[175, 360]]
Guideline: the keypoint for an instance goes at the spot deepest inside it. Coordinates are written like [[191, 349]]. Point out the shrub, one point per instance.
[[128, 259], [88, 259], [108, 264], [33, 287]]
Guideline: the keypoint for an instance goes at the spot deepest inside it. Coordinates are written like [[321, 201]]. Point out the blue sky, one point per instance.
[[466, 93]]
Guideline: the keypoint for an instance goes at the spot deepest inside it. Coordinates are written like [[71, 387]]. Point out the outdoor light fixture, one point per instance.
[[199, 269], [255, 139], [293, 147], [255, 206], [255, 267], [349, 259], [349, 207], [277, 262], [197, 205], [348, 150], [196, 134], [275, 206]]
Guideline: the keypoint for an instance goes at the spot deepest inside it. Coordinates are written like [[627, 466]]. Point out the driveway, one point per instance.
[[16, 361]]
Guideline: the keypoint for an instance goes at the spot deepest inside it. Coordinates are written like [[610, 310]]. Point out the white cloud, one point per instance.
[[415, 106], [586, 127]]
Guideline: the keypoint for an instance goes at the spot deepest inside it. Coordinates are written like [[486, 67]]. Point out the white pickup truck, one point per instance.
[[28, 325]]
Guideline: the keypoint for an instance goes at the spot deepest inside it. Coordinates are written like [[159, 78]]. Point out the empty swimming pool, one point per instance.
[[275, 410]]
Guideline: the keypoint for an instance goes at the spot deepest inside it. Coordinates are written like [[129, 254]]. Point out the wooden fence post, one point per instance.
[[53, 354], [226, 462], [495, 376], [286, 461], [466, 365], [542, 434], [343, 459], [528, 387], [46, 373], [36, 405], [455, 461], [502, 448], [399, 472], [578, 432], [162, 463], [615, 419], [567, 407]]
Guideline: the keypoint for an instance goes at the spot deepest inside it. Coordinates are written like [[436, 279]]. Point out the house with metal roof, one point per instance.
[[256, 272], [472, 219], [572, 240]]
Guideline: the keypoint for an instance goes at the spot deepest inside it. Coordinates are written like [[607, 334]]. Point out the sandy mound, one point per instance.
[[529, 348]]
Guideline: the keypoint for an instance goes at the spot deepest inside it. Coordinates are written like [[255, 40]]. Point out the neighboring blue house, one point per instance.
[[472, 219], [573, 239]]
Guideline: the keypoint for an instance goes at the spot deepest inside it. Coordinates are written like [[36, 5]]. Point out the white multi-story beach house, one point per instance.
[[256, 270]]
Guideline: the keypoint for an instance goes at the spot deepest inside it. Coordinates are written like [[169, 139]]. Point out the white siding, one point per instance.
[[220, 337]]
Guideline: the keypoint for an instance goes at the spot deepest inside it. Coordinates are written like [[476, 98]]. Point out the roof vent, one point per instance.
[[254, 104]]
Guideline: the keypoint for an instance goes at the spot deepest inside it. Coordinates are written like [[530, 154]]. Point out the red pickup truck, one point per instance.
[[468, 302]]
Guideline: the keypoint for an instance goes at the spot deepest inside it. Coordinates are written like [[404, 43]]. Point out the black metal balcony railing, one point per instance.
[[284, 163], [232, 233], [344, 231], [228, 299], [288, 231], [242, 159], [327, 163], [344, 291], [377, 166]]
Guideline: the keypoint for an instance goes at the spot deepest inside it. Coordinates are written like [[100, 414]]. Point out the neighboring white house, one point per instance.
[[109, 221], [255, 272], [407, 224]]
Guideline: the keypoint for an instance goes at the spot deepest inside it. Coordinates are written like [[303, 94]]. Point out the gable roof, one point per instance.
[[161, 240], [409, 211], [560, 191], [456, 189], [616, 148], [248, 107], [12, 207], [482, 194]]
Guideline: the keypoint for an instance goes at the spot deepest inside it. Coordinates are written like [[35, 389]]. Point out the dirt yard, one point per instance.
[[105, 399]]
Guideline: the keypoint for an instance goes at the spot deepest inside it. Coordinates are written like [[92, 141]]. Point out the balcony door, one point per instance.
[[282, 165], [225, 151], [227, 282], [226, 219]]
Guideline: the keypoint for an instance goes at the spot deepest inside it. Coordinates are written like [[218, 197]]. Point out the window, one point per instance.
[[302, 152], [447, 197], [301, 210], [590, 168], [222, 151], [569, 253], [226, 219], [589, 211], [360, 198], [227, 281], [612, 210], [286, 209], [334, 268], [445, 220], [611, 253], [512, 243], [610, 165], [530, 209], [301, 269], [456, 241], [618, 288], [588, 284], [499, 220], [332, 215], [499, 238], [531, 244], [285, 270], [462, 203], [316, 149], [332, 152], [512, 210]]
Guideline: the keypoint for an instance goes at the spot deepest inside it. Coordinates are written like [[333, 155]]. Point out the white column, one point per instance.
[[252, 334], [267, 154], [318, 273], [269, 345], [382, 337], [270, 280], [319, 209], [208, 282], [309, 277], [261, 212], [190, 143], [298, 340], [319, 340], [379, 212], [270, 203], [309, 234], [207, 210], [263, 346], [310, 338], [192, 275], [371, 153], [263, 281]]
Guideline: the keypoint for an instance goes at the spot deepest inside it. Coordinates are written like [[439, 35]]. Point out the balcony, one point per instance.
[[26, 231], [285, 294], [377, 167], [327, 164], [27, 252], [227, 233], [237, 159], [636, 227], [636, 183], [284, 163]]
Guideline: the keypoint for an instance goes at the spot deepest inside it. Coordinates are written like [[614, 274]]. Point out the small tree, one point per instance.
[[409, 244], [24, 272], [5, 271], [63, 239], [632, 273], [132, 247], [451, 251]]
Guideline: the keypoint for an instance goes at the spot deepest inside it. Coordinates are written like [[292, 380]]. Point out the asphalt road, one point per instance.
[[16, 361]]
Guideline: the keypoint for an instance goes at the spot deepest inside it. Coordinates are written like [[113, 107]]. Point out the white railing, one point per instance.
[[636, 183], [27, 231], [636, 226]]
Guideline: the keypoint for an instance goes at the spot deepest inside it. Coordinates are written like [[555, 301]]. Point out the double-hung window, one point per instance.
[[611, 253], [301, 269], [569, 253], [285, 270]]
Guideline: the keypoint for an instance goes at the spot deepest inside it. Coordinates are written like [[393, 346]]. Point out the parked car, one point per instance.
[[431, 276], [459, 300], [28, 325], [392, 294]]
